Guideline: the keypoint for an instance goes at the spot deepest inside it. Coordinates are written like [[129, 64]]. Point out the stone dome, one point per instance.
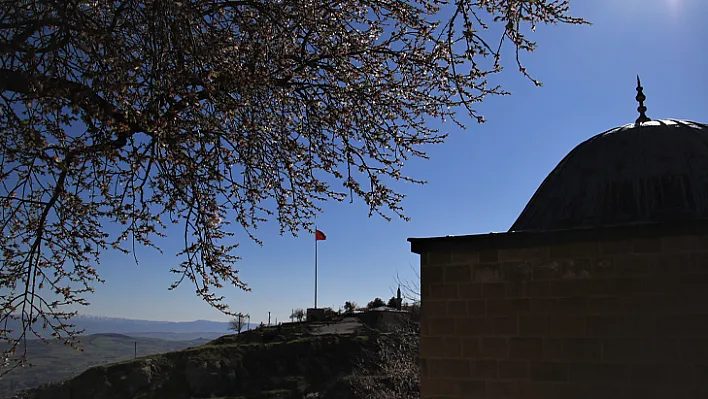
[[651, 171]]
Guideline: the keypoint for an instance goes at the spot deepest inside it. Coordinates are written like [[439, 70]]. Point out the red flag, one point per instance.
[[320, 236]]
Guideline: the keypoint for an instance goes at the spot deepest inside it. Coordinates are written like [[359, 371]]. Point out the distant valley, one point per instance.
[[106, 340]]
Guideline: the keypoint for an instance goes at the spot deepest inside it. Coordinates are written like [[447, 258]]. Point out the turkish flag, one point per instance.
[[320, 236]]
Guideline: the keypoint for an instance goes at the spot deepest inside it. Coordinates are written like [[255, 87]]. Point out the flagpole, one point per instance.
[[315, 267]]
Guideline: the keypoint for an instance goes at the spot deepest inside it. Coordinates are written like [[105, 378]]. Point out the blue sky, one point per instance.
[[479, 180]]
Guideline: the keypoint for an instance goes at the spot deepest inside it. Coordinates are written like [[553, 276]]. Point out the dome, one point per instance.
[[651, 171]]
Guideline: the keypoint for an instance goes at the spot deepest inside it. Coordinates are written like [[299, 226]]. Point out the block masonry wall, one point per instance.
[[616, 319]]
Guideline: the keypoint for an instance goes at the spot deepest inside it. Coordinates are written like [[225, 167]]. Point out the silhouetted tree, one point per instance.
[[350, 306], [298, 314], [238, 323], [376, 303], [140, 114]]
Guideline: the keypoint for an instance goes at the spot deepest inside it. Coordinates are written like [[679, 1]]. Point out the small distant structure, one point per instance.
[[383, 318], [315, 314], [399, 299]]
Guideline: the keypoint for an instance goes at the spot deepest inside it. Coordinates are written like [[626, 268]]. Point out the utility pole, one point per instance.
[[269, 319], [292, 313], [136, 350]]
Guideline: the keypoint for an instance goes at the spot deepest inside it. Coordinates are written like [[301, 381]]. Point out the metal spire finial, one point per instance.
[[640, 99]]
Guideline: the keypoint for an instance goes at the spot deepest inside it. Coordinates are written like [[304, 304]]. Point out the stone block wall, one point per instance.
[[594, 319]]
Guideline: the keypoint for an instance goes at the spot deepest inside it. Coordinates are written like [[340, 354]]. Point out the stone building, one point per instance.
[[598, 290]]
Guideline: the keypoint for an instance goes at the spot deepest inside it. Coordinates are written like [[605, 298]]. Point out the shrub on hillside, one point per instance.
[[392, 370]]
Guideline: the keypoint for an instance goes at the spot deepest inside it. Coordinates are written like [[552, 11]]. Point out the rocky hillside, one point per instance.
[[57, 362], [274, 363]]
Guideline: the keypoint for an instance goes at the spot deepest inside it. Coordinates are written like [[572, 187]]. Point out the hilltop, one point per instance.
[[325, 360]]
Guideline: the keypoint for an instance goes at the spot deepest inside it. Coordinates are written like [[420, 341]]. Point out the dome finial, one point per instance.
[[640, 99]]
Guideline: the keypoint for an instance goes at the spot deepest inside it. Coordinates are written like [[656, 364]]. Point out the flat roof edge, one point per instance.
[[536, 238]]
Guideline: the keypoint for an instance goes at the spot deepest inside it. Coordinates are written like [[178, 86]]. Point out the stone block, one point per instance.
[[627, 266], [469, 388], [552, 349], [494, 290], [540, 390], [508, 307], [470, 290], [582, 349], [647, 245], [513, 370], [548, 371], [525, 348], [448, 368], [650, 373], [603, 326], [457, 308], [568, 326], [539, 289], [489, 256], [443, 291], [547, 270], [494, 348], [433, 308], [661, 349], [543, 306], [485, 272], [504, 390], [610, 305], [517, 289], [575, 250], [439, 258], [573, 288], [524, 254], [473, 326], [599, 372], [638, 325], [432, 274], [505, 326], [477, 307], [682, 325], [436, 387], [613, 247], [441, 326], [698, 262], [465, 257], [622, 349], [484, 369], [534, 326], [574, 305], [452, 347], [681, 243], [693, 284], [517, 271], [458, 274], [431, 347], [470, 347]]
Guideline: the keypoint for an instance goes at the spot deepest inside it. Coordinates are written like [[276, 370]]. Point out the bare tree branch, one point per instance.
[[206, 113]]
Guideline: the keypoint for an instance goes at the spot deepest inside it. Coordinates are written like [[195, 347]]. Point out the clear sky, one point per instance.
[[479, 180]]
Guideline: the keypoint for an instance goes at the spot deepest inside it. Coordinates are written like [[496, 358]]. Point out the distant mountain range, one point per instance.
[[169, 330]]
